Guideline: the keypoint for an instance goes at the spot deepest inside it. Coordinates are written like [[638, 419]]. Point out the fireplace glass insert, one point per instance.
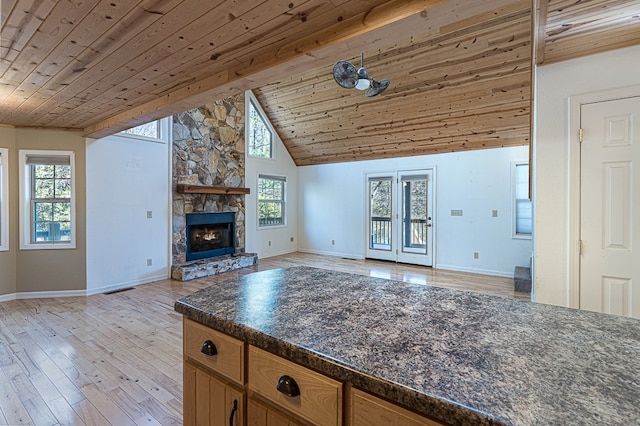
[[210, 235]]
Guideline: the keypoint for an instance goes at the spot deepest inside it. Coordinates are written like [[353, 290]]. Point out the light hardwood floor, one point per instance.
[[116, 359]]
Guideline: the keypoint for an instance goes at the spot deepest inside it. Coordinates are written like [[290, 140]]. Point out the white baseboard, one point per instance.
[[49, 294], [279, 253], [80, 293], [331, 253], [7, 297], [475, 271], [132, 283]]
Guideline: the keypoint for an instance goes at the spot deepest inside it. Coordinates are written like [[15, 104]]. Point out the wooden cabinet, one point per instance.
[[210, 400], [219, 389], [260, 414], [213, 377], [312, 396], [228, 360], [368, 410]]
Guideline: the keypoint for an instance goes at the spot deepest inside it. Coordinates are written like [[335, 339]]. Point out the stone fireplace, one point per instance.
[[208, 150]]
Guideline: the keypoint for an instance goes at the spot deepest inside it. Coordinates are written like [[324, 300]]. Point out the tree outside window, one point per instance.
[[271, 200], [51, 202], [149, 130], [260, 137], [47, 205]]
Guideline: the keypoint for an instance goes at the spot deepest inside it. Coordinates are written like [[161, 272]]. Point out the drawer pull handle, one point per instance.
[[234, 410], [208, 348], [288, 386]]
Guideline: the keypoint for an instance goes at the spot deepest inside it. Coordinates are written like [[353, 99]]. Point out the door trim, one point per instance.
[[395, 172], [575, 104]]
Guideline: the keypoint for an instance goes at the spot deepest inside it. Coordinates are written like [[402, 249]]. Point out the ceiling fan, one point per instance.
[[346, 75]]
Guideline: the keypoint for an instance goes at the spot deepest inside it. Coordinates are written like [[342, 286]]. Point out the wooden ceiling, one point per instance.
[[460, 69], [462, 84]]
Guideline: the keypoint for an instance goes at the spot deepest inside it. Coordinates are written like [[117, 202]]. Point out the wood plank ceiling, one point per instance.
[[462, 84], [460, 70]]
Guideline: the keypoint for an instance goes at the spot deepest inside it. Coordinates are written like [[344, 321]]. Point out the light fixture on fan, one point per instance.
[[345, 74]]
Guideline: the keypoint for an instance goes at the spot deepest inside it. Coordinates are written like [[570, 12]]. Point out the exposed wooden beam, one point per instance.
[[539, 29], [267, 66]]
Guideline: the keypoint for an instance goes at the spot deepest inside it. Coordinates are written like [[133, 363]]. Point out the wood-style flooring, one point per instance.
[[116, 359]]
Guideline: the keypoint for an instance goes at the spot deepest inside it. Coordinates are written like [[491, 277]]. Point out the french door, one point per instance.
[[400, 216]]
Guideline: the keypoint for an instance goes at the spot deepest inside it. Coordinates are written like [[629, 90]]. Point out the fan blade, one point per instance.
[[377, 87], [345, 74]]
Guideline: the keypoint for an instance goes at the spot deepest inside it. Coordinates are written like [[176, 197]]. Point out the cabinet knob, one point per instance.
[[288, 386], [208, 348]]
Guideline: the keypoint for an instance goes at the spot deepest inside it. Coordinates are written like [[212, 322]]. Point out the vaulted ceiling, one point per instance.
[[460, 71]]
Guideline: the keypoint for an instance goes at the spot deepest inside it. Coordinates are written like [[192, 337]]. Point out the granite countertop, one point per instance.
[[457, 356]]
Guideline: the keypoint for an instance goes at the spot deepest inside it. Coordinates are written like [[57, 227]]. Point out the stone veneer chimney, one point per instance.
[[208, 149]]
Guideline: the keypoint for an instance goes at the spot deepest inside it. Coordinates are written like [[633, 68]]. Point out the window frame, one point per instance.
[[251, 101], [515, 199], [283, 202], [4, 199], [27, 216], [160, 126]]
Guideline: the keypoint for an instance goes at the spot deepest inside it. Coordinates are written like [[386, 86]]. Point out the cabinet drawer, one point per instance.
[[319, 400], [368, 410], [229, 360]]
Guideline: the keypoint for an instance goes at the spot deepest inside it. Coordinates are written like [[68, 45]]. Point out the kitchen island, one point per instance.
[[453, 356]]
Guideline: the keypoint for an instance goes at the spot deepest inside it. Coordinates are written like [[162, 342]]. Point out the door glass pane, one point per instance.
[[414, 214], [380, 192]]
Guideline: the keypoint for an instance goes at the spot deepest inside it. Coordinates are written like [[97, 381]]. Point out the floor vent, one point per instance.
[[119, 290]]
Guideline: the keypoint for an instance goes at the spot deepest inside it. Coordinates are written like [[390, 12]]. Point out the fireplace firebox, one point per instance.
[[210, 235]]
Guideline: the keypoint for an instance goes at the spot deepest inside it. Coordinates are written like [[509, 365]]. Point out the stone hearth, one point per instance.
[[213, 266]]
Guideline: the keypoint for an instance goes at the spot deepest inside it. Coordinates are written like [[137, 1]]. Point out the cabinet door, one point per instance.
[[368, 410], [259, 414], [209, 400]]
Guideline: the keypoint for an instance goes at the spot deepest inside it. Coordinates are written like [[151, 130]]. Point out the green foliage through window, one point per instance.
[[271, 200], [260, 137], [51, 202]]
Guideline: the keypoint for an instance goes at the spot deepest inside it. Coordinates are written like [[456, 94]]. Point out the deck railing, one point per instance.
[[381, 232]]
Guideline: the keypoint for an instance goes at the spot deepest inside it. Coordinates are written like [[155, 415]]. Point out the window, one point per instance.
[[4, 199], [47, 205], [522, 204], [271, 200], [150, 130], [260, 134]]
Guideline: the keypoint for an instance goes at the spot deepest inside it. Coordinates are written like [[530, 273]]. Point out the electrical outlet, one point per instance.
[[456, 212], [494, 213], [149, 262], [475, 254], [269, 243], [291, 239], [333, 242], [149, 214]]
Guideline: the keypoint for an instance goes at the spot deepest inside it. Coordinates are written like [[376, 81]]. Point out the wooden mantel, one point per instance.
[[205, 189]]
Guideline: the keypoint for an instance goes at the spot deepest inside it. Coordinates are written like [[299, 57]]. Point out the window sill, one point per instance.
[[57, 246], [522, 237]]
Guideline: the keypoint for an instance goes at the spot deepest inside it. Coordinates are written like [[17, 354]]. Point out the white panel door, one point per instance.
[[610, 207], [400, 222]]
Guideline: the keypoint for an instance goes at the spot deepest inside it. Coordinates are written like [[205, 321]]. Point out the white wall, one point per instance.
[[272, 240], [332, 206], [126, 177], [556, 83]]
